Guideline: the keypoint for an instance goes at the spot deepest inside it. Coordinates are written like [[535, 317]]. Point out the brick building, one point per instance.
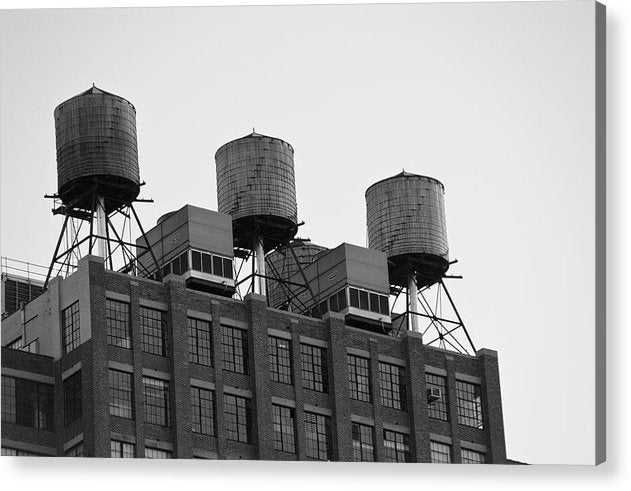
[[133, 367]]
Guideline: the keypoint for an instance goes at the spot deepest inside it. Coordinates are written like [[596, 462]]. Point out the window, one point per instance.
[[121, 394], [284, 428], [397, 446], [70, 327], [363, 443], [211, 264], [280, 360], [157, 453], [203, 408], [122, 450], [440, 453], [14, 452], [15, 344], [157, 407], [472, 457], [359, 378], [27, 403], [73, 407], [314, 370], [118, 322], [338, 301], [75, 451], [152, 326], [234, 345], [199, 342], [180, 263], [238, 418], [370, 301], [318, 436], [392, 385], [437, 409], [469, 404]]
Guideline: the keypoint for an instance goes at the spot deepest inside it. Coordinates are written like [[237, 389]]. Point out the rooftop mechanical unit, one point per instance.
[[196, 244], [350, 280]]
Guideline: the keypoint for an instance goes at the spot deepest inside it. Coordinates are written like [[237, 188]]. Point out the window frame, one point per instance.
[[200, 342], [156, 390], [70, 328], [469, 403], [359, 378], [203, 420], [364, 445], [117, 404], [238, 418], [284, 426], [280, 362], [313, 368], [153, 328], [320, 447], [235, 349], [118, 319], [396, 446], [392, 381]]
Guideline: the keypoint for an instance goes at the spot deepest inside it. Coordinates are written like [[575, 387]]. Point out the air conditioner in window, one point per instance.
[[434, 394]]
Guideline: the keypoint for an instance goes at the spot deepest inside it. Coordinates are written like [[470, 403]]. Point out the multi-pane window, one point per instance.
[[121, 394], [70, 328], [359, 378], [203, 411], [238, 418], [157, 407], [363, 443], [469, 404], [314, 370], [365, 300], [157, 453], [337, 301], [118, 323], [392, 385], [153, 328], [280, 360], [122, 450], [440, 452], [472, 456], [27, 403], [14, 452], [211, 264], [318, 436], [15, 344], [437, 407], [234, 346], [75, 451], [284, 428], [199, 342], [396, 446], [73, 407]]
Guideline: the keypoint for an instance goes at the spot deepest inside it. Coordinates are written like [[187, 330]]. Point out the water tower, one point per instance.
[[406, 220], [284, 263], [256, 186], [98, 179]]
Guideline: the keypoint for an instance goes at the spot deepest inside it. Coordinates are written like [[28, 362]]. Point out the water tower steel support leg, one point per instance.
[[52, 263], [100, 227], [413, 302], [453, 305], [260, 266], [144, 236]]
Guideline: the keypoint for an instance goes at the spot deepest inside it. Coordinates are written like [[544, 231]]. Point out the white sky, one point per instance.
[[495, 100]]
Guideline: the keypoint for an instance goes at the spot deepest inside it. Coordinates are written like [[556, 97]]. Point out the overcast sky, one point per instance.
[[495, 100]]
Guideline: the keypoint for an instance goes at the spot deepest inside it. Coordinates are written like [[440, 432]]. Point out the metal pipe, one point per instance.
[[413, 302], [260, 266], [100, 226]]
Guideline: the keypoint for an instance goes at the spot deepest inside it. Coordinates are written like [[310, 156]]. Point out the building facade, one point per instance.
[[133, 367]]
